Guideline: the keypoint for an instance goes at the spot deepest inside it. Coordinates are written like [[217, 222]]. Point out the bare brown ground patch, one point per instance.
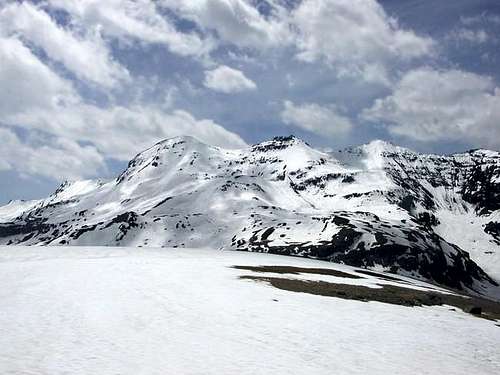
[[391, 294]]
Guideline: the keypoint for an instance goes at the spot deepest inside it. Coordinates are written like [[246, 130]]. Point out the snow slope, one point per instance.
[[375, 205], [89, 310]]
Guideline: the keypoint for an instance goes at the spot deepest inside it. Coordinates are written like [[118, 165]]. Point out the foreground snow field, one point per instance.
[[91, 310]]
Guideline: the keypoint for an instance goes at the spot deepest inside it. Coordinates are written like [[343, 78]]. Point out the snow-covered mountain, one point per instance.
[[375, 205]]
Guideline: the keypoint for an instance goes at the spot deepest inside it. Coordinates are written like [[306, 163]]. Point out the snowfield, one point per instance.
[[91, 310]]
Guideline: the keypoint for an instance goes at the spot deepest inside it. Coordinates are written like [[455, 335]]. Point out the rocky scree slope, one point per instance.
[[376, 205]]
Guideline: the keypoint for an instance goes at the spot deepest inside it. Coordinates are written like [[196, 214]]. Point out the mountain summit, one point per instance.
[[378, 205]]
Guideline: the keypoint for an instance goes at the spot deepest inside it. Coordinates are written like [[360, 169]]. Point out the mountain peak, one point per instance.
[[289, 138], [380, 146], [481, 152], [187, 139], [279, 143]]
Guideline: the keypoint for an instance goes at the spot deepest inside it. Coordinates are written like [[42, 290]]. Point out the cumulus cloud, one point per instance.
[[356, 37], [87, 57], [58, 158], [26, 82], [227, 80], [67, 68], [135, 21], [434, 105], [120, 132], [113, 132], [236, 22], [316, 119], [36, 99]]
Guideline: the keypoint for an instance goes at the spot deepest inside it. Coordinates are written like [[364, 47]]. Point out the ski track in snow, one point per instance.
[[91, 310]]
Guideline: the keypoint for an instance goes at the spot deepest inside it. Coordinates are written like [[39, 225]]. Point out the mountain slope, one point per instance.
[[376, 205]]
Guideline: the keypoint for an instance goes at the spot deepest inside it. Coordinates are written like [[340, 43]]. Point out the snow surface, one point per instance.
[[15, 208], [91, 310], [467, 231]]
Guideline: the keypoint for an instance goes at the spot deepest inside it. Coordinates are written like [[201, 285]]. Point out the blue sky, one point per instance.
[[88, 84]]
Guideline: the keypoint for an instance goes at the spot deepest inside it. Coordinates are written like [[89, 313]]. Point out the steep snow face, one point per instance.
[[457, 195], [376, 205]]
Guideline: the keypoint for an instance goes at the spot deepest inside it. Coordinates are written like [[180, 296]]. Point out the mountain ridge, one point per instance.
[[376, 205]]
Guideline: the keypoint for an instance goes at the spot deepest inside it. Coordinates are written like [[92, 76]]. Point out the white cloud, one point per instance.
[[352, 37], [482, 19], [228, 80], [114, 132], [433, 105], [26, 82], [469, 35], [356, 37], [58, 159], [87, 56], [36, 99], [316, 119], [120, 132], [236, 22], [135, 20]]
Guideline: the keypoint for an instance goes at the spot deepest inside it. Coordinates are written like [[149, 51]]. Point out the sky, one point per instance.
[[85, 85]]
